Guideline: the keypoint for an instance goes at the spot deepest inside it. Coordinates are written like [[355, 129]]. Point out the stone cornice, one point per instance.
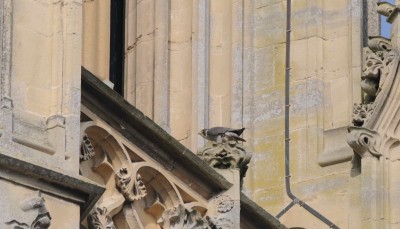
[[151, 138]]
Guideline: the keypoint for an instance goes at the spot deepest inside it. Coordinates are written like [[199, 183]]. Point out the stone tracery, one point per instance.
[[131, 185]]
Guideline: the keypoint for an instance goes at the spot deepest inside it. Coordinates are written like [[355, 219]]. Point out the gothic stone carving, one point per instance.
[[364, 142], [227, 155], [87, 150], [385, 9], [131, 189], [43, 218], [362, 113], [224, 203], [180, 217], [378, 57], [99, 219]]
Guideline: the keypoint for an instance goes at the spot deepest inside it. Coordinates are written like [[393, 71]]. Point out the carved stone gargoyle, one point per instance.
[[226, 154]]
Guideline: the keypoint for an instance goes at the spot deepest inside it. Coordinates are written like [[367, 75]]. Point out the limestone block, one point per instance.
[[331, 190], [299, 154], [271, 199], [264, 3], [279, 64], [328, 109], [181, 23], [96, 37], [267, 31], [336, 64], [268, 153], [336, 18], [341, 111], [145, 13], [264, 67]]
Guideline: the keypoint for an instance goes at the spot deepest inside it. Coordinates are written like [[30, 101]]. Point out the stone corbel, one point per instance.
[[364, 142]]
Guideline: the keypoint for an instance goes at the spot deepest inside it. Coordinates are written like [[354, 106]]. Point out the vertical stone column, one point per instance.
[[5, 89], [365, 144], [220, 63], [161, 74], [147, 76], [145, 29], [180, 70], [96, 37], [224, 209]]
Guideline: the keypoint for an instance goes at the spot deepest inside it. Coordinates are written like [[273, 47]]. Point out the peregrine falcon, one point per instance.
[[222, 134]]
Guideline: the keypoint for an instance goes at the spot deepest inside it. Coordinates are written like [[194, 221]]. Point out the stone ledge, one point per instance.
[[75, 189]]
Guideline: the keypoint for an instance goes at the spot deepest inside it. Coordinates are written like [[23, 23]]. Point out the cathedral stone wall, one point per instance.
[[197, 64]]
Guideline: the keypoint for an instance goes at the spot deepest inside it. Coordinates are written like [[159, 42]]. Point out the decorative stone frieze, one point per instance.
[[132, 189], [87, 149], [180, 217], [364, 142], [99, 219]]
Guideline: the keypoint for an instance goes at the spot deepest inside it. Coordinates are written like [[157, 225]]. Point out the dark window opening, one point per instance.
[[117, 44]]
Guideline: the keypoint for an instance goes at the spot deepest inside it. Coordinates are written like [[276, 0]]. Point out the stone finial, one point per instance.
[[181, 217], [100, 219], [132, 189]]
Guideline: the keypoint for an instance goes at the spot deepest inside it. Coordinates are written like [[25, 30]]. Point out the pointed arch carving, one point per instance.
[[138, 194]]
